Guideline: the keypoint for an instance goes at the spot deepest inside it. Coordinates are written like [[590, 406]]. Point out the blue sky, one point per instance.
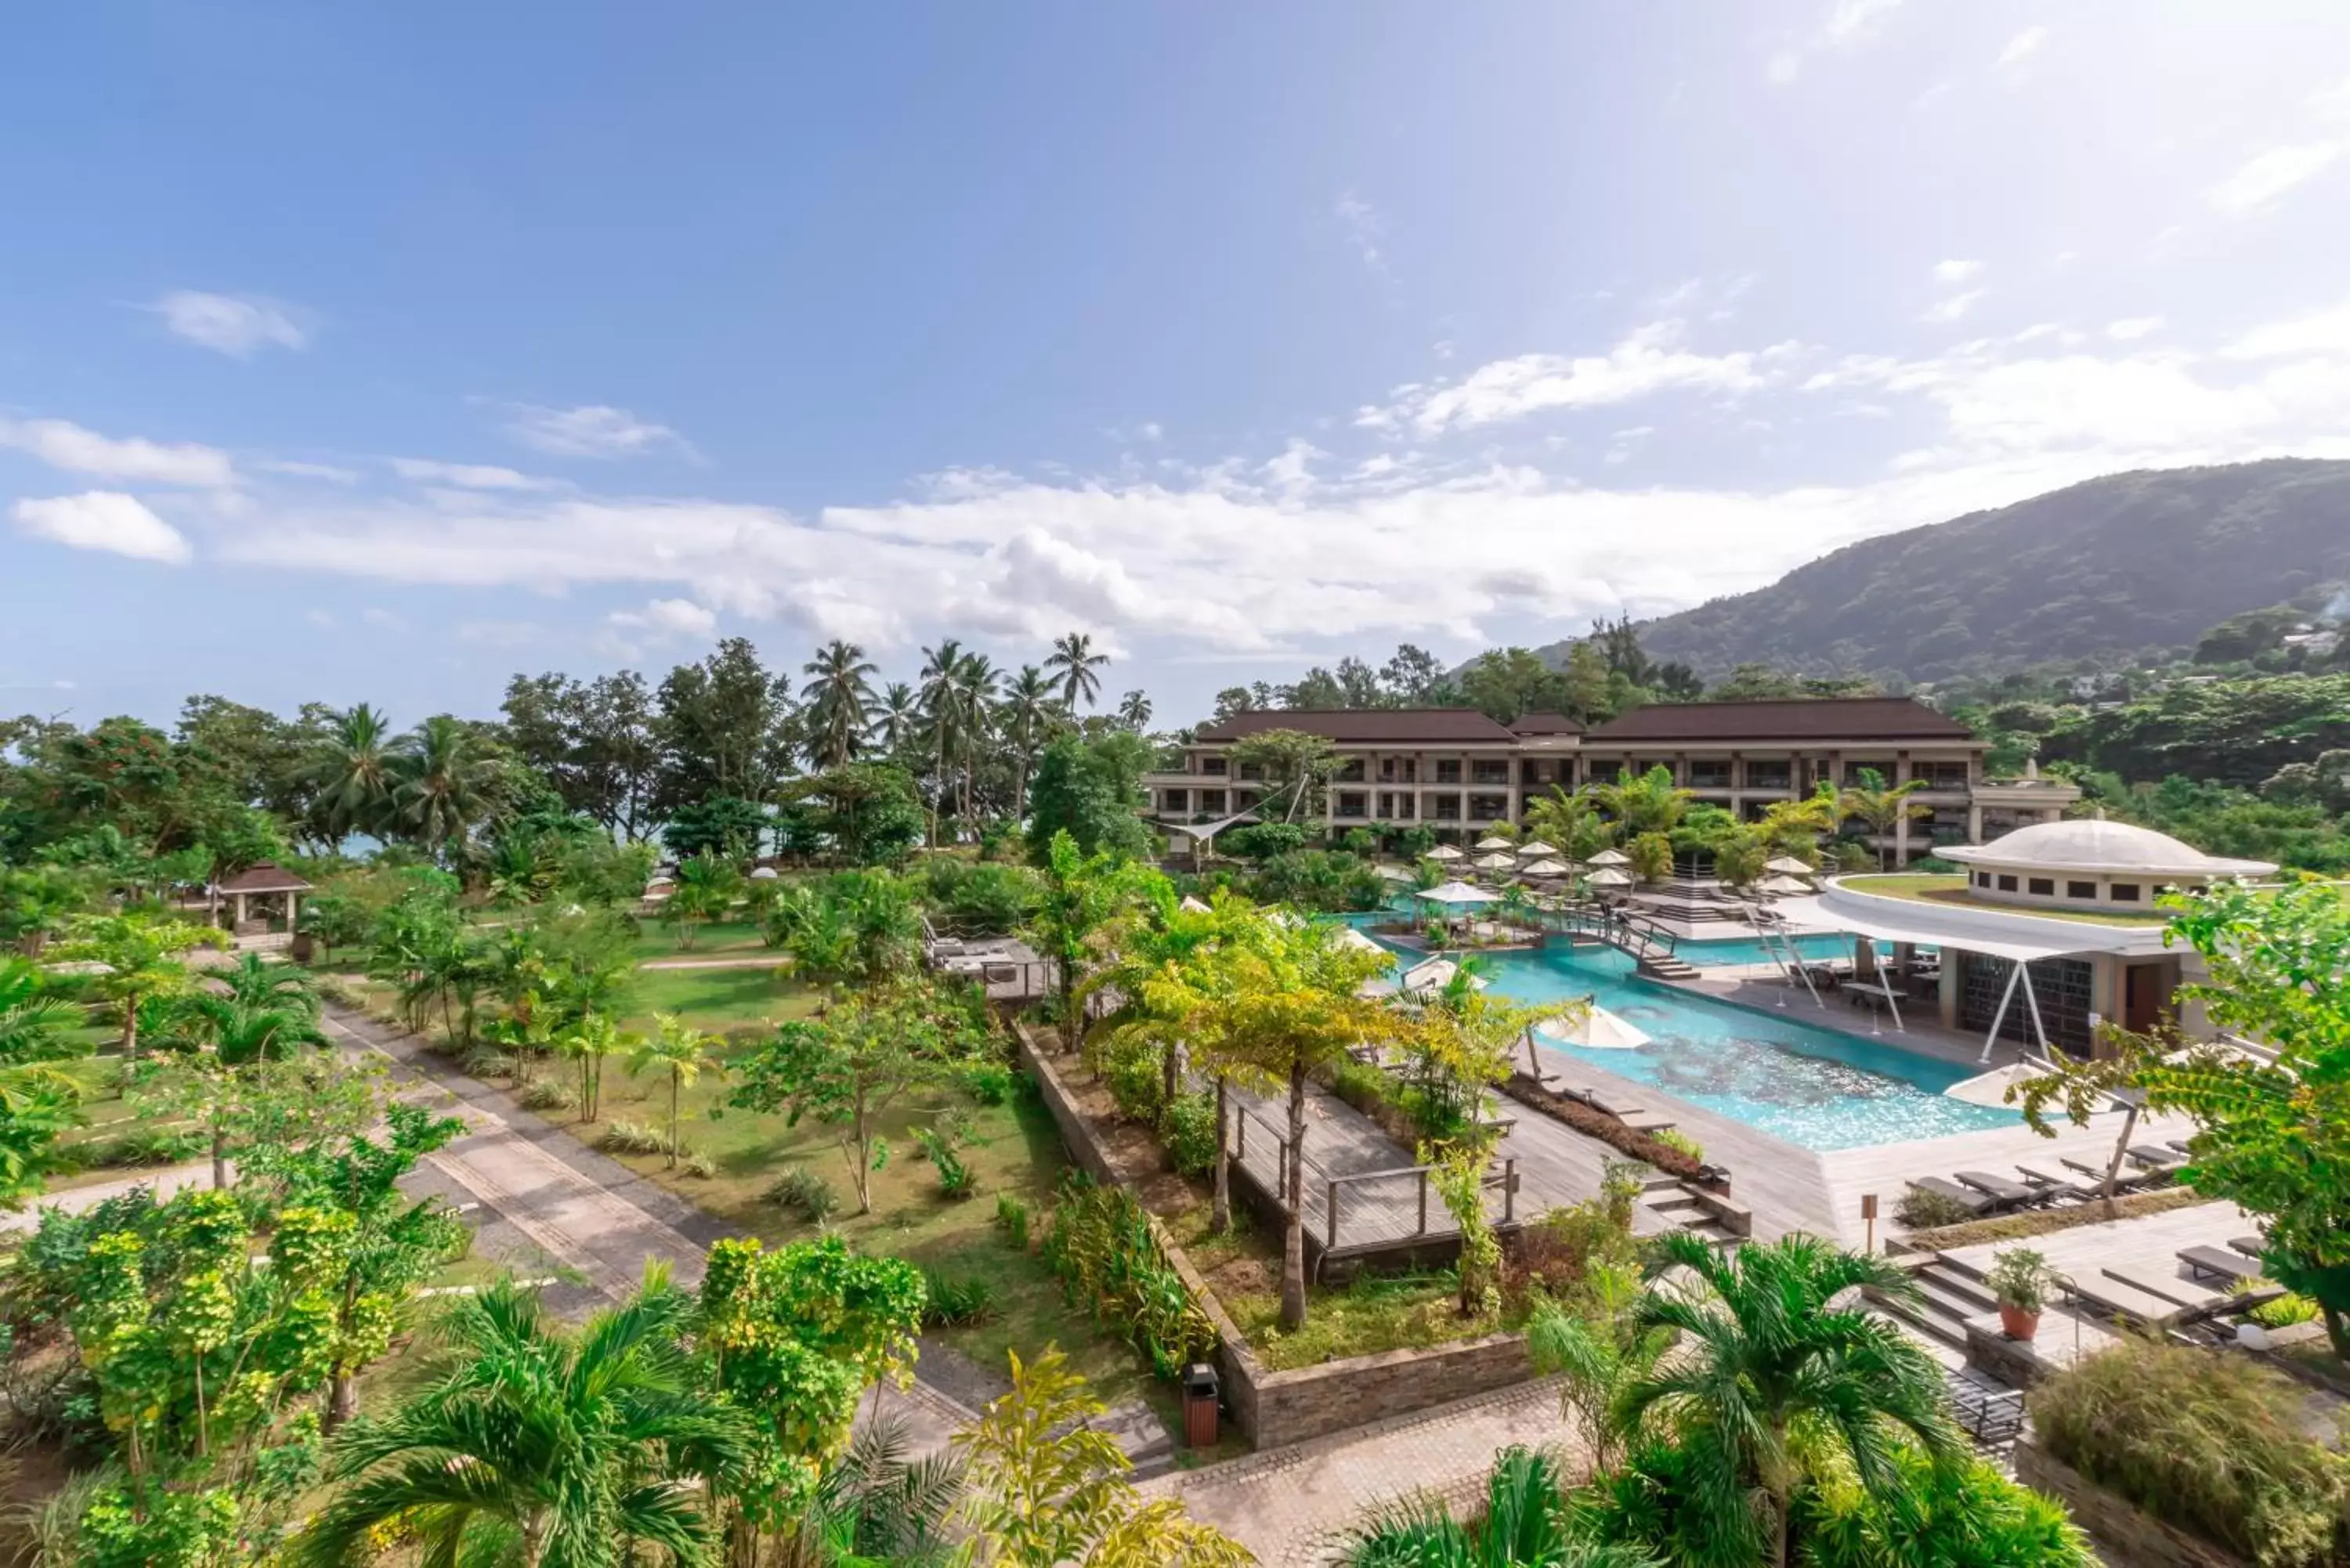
[[378, 352]]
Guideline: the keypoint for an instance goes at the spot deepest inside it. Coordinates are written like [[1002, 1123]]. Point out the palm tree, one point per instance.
[[142, 955], [1794, 826], [1073, 656], [839, 695], [1651, 857], [352, 773], [1028, 710], [33, 1027], [253, 983], [447, 783], [684, 1051], [941, 674], [896, 715], [224, 1034], [1644, 803], [546, 1448], [1527, 1522], [591, 1040], [1883, 808], [1769, 1374], [977, 686], [1134, 711], [705, 889]]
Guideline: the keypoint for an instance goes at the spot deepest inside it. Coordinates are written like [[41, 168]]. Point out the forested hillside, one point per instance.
[[2132, 564]]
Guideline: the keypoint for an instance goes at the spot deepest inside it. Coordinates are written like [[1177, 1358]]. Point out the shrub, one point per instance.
[[953, 1301], [1190, 1132], [955, 1179], [1102, 1244], [1644, 1147], [2283, 1311], [803, 1190], [1134, 1080], [988, 1083], [546, 1094], [697, 1164], [1012, 1218], [2213, 1444], [1921, 1209], [485, 1061], [625, 1137], [1679, 1141], [142, 1145]]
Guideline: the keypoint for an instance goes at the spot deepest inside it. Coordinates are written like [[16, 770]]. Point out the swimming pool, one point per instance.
[[1822, 945], [1815, 1088]]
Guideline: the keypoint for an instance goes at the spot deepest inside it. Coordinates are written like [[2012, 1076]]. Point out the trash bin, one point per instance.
[[1200, 1391]]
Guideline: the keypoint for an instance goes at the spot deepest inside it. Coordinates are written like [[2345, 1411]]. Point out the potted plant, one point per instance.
[[2020, 1278]]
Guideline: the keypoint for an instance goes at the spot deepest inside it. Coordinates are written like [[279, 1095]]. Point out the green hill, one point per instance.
[[2130, 563]]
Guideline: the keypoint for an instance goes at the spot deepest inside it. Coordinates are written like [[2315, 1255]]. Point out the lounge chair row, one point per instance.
[[2036, 1185]]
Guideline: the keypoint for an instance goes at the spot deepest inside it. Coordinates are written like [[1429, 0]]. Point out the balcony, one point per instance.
[[1769, 779], [1489, 774], [1349, 806], [1448, 772], [1349, 772], [1708, 775], [1215, 767]]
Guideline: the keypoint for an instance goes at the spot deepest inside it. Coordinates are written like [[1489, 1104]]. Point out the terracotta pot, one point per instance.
[[2017, 1324]]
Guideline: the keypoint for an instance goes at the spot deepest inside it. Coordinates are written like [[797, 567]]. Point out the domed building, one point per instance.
[[2091, 864]]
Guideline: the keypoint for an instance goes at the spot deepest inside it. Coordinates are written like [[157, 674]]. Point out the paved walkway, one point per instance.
[[1289, 1506]]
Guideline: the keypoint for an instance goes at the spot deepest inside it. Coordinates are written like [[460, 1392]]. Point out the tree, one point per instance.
[[1526, 1522], [35, 1026], [546, 1448], [705, 889], [1089, 790], [1073, 661], [1769, 1376], [1644, 803], [723, 727], [1884, 808], [723, 825], [589, 1042], [351, 774], [1795, 826], [222, 1073], [447, 781], [839, 698], [1042, 1488], [2273, 1137], [1651, 856], [853, 1061], [857, 927], [142, 955], [682, 1052], [1029, 712], [37, 903], [871, 813], [1083, 895], [1134, 711], [1295, 765]]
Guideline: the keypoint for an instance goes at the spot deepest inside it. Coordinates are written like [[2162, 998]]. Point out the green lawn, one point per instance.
[[716, 999], [1931, 888], [657, 939]]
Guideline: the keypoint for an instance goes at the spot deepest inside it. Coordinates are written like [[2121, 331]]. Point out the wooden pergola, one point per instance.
[[267, 883]]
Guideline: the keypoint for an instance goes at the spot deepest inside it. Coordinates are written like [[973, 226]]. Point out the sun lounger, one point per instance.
[[1976, 1202], [2220, 1261], [2051, 1186], [2014, 1194], [2178, 1292], [2124, 1181], [2180, 1144], [2250, 1246], [2125, 1303], [2154, 1157]]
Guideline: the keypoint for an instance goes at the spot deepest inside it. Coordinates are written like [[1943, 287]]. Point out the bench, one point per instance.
[[2220, 1261]]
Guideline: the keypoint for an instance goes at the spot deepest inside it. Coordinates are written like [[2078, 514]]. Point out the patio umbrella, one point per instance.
[[1192, 906], [1611, 858], [1394, 873], [1781, 886], [1435, 975], [1608, 876], [1348, 936], [1443, 852], [1597, 1030], [1492, 842], [1455, 893], [1496, 861], [765, 874], [1787, 866], [1545, 868], [1534, 849]]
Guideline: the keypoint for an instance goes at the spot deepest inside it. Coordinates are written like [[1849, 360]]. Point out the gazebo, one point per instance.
[[268, 884]]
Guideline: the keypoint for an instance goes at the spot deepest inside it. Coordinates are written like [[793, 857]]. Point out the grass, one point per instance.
[[716, 999], [657, 939], [1927, 888]]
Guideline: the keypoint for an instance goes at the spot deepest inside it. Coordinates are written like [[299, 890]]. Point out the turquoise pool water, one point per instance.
[[1747, 949], [1815, 1088]]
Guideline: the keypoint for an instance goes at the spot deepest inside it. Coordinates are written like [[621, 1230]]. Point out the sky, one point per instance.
[[376, 352]]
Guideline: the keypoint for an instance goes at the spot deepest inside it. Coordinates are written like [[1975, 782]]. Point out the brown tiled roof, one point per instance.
[[1544, 725], [1821, 718], [264, 878], [1364, 726]]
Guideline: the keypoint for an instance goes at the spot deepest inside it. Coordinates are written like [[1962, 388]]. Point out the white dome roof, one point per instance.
[[2093, 843]]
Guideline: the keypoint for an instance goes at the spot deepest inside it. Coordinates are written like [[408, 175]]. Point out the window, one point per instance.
[[1489, 773], [2080, 889], [1351, 771], [1448, 772], [1530, 772], [1708, 775], [1982, 878], [1488, 808], [2041, 887], [1214, 766], [1351, 803], [2006, 883], [1445, 807], [1252, 770], [1407, 806], [1175, 800], [1211, 800], [2125, 893], [1767, 775], [1940, 776]]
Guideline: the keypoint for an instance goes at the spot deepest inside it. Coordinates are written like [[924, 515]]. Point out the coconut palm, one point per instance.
[[1644, 803], [1526, 1522], [839, 695], [589, 1043], [682, 1052], [546, 1448], [351, 772], [1769, 1374], [977, 686], [446, 784], [1884, 807], [253, 983], [1134, 711], [942, 715], [896, 715], [1077, 666], [1029, 707], [33, 1027]]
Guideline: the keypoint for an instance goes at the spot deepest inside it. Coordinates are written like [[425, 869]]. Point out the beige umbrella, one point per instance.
[[1494, 862], [1608, 876], [1443, 852], [1394, 873], [1534, 849], [1435, 975], [1596, 1030], [1786, 865], [1545, 868], [1192, 906], [1781, 886], [1348, 936], [1454, 893], [1491, 842], [1611, 858]]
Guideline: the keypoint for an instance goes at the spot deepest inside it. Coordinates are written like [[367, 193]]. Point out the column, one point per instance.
[[1974, 823]]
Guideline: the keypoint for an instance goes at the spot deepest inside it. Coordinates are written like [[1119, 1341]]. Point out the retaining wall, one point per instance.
[[2126, 1535]]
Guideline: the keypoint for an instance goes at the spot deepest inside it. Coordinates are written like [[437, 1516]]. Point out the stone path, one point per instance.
[[770, 960], [1290, 1505]]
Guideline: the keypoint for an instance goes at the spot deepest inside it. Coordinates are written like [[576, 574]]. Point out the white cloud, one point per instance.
[[2130, 328], [1953, 307], [499, 633], [2267, 178], [1650, 359], [1784, 67], [333, 473], [592, 430], [666, 618], [467, 475], [1956, 272], [1848, 23], [104, 520], [382, 618], [235, 325], [62, 444], [1362, 227], [2022, 48], [323, 620]]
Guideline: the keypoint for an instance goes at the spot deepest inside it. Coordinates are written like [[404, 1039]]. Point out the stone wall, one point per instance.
[[2124, 1534], [1275, 1408]]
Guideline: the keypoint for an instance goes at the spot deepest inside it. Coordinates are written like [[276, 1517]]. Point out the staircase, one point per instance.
[[1682, 1211], [1667, 966], [1948, 1295]]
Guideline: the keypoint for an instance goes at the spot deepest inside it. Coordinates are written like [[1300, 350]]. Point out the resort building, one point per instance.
[[1458, 772], [2050, 932]]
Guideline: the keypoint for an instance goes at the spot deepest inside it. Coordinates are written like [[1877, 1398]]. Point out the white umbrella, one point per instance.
[[1787, 866], [1596, 1030], [1534, 849], [1494, 862], [1455, 893], [1394, 873], [1608, 876], [1491, 842], [1435, 975], [1443, 852], [1545, 868], [1611, 858], [1192, 906], [1781, 886], [1991, 1088], [1348, 936], [765, 874]]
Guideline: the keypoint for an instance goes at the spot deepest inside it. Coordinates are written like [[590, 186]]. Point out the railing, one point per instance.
[[1640, 937], [1342, 1199]]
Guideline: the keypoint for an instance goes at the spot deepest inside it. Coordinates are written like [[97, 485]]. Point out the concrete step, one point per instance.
[[1940, 1276], [1924, 1317]]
